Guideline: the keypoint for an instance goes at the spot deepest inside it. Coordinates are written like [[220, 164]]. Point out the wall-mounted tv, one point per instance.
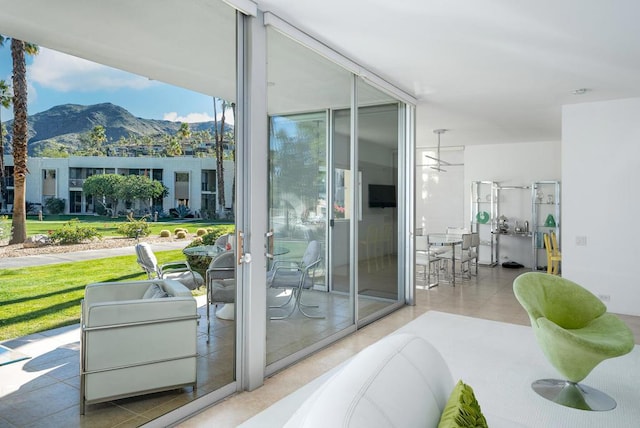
[[382, 195]]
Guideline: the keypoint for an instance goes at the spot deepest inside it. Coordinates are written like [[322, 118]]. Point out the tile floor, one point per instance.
[[50, 381], [43, 390], [489, 296]]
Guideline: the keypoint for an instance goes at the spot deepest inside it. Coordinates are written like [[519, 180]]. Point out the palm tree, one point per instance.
[[20, 136], [184, 134], [219, 146], [5, 101]]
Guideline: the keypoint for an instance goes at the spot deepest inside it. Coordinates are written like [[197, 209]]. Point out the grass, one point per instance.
[[107, 226], [41, 298]]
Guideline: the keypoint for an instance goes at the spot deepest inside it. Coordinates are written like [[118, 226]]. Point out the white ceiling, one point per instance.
[[490, 71]]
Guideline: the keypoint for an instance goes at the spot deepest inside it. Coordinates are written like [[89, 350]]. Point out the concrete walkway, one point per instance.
[[48, 259]]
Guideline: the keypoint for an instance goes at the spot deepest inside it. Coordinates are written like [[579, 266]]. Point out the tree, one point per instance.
[[20, 137], [232, 143], [54, 150], [219, 145], [5, 101], [139, 187], [92, 143], [104, 188], [172, 145], [112, 188]]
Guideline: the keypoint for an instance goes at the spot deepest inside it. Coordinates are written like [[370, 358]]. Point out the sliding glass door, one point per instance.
[[303, 309], [334, 198], [379, 285]]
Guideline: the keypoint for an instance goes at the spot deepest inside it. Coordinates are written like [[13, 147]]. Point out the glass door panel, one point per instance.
[[303, 309], [378, 138], [341, 203]]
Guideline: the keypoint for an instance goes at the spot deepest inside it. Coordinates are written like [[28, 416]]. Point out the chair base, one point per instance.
[[574, 395]]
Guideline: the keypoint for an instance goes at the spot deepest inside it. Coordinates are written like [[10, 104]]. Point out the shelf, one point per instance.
[[520, 235]]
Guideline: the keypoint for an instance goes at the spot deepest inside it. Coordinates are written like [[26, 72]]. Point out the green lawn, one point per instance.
[[41, 298], [107, 226]]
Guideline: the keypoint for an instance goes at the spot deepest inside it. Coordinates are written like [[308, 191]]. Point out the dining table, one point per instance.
[[446, 240]]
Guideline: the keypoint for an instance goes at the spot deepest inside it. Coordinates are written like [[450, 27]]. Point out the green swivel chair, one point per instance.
[[575, 332]]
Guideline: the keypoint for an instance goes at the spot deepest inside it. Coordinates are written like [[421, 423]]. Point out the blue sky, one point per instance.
[[55, 78]]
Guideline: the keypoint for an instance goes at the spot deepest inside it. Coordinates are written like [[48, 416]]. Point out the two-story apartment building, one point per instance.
[[191, 181]]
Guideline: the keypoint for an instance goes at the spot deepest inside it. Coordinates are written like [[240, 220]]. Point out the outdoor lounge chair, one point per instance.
[[179, 270]]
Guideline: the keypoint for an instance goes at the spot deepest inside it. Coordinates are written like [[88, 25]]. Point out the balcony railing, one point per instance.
[[76, 182]]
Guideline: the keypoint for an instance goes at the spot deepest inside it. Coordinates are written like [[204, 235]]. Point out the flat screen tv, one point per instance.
[[382, 195]]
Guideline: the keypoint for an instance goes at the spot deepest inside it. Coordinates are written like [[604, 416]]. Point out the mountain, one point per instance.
[[64, 124]]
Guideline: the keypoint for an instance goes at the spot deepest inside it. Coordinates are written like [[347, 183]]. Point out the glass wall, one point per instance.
[[303, 307], [378, 142], [332, 205]]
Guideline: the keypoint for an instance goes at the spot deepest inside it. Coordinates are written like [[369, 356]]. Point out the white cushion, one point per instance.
[[154, 291], [400, 381]]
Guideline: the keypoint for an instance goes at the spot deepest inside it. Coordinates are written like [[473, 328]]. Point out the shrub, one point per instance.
[[134, 228], [101, 209], [180, 229], [181, 235], [208, 214], [201, 232], [5, 229], [54, 205], [201, 262], [181, 211], [216, 232], [72, 232], [165, 233]]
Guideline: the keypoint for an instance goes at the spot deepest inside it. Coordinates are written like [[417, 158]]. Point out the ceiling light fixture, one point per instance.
[[439, 161]]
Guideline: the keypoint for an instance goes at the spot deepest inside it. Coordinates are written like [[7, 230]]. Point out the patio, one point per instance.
[[44, 390]]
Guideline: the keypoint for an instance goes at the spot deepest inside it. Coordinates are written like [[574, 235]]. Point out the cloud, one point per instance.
[[67, 73], [189, 118], [194, 117]]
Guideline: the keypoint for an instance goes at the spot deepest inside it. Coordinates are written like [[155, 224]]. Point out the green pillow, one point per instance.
[[462, 409]]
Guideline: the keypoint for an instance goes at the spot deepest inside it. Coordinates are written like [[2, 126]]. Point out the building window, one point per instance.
[[182, 188], [208, 183], [75, 202]]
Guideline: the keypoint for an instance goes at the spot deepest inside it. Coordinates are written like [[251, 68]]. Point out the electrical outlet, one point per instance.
[[604, 297], [581, 241]]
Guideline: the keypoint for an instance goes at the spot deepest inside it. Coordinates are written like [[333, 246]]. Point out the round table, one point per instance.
[[203, 250]]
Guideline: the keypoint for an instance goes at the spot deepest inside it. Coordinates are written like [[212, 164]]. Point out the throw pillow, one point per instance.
[[462, 409], [154, 292]]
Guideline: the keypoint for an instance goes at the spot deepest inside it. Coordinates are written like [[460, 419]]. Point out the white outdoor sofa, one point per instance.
[[136, 338]]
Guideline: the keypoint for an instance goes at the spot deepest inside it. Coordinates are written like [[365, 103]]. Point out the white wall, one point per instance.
[[601, 175], [512, 165], [439, 195]]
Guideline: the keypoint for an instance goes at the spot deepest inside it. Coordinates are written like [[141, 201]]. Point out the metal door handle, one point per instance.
[[240, 246], [269, 251]]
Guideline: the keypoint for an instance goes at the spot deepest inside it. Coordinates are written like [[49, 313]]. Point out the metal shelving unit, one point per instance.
[[484, 219], [545, 218]]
